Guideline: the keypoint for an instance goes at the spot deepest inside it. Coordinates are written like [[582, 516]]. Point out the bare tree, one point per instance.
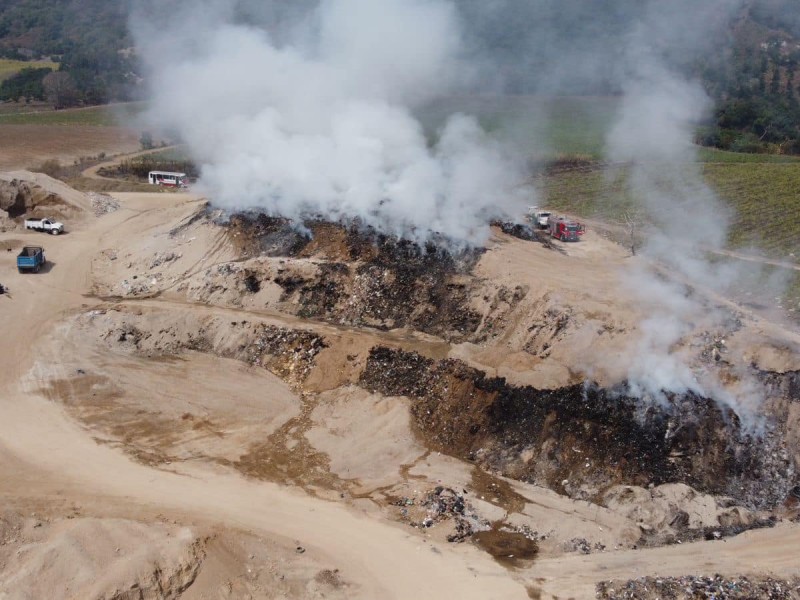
[[632, 221], [60, 89]]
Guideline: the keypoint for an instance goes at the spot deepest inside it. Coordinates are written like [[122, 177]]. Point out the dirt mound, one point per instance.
[[96, 558], [76, 557], [363, 277], [26, 194]]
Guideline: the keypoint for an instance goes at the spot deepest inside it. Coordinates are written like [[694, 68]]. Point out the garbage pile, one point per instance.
[[363, 277], [461, 410], [689, 586], [443, 504], [102, 204], [289, 353]]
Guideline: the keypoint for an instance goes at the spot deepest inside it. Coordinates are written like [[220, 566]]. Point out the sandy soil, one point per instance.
[[158, 452], [377, 558]]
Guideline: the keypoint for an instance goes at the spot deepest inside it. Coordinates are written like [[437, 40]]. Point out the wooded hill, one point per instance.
[[88, 38]]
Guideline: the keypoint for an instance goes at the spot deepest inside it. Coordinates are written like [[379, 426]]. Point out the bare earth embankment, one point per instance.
[[201, 408]]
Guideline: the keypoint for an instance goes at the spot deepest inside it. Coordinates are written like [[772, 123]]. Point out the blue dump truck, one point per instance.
[[30, 259]]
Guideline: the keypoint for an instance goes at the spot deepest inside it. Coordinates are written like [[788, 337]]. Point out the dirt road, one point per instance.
[[93, 171]]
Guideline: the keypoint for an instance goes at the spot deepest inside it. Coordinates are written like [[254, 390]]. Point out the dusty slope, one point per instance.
[[90, 373]]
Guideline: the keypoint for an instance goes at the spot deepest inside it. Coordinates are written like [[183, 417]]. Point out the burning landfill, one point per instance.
[[573, 435], [357, 309]]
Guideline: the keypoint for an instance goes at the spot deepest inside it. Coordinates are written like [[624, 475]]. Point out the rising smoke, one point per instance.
[[311, 114], [659, 111], [307, 109]]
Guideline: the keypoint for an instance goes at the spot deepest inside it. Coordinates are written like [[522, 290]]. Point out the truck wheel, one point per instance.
[[55, 231], [37, 268], [20, 270]]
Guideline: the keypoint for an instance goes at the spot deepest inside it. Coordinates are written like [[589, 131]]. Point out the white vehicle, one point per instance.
[[540, 218], [167, 178], [50, 225]]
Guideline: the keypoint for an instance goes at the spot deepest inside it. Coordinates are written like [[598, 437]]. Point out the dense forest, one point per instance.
[[754, 82], [88, 38], [757, 87]]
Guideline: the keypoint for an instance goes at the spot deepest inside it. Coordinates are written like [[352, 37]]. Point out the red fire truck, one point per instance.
[[565, 230]]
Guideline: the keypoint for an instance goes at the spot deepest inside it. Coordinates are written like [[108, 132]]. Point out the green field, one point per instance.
[[538, 127], [101, 116], [10, 67], [765, 198], [722, 156]]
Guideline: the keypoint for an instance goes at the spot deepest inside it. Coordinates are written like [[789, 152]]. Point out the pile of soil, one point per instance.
[[365, 277], [24, 194]]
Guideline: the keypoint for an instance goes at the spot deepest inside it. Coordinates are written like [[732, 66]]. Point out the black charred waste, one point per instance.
[[579, 439], [365, 277]]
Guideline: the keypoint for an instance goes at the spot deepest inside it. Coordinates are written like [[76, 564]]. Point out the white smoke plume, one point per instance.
[[313, 116], [657, 117]]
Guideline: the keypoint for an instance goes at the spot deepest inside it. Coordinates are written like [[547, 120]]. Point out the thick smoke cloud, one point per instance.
[[307, 108], [312, 113]]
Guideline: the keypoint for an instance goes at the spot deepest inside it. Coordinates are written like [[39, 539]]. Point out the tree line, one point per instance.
[[755, 85]]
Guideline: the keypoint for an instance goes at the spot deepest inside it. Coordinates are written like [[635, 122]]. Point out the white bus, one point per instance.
[[167, 178]]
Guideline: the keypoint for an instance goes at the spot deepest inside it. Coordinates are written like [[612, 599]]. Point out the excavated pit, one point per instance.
[[579, 440]]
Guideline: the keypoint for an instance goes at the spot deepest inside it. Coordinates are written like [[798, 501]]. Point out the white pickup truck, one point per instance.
[[50, 225], [540, 218]]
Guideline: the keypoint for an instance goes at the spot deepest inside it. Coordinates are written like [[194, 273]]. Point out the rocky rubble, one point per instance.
[[692, 587], [289, 353]]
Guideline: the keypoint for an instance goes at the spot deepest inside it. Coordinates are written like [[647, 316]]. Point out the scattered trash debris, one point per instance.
[[690, 586], [583, 546]]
